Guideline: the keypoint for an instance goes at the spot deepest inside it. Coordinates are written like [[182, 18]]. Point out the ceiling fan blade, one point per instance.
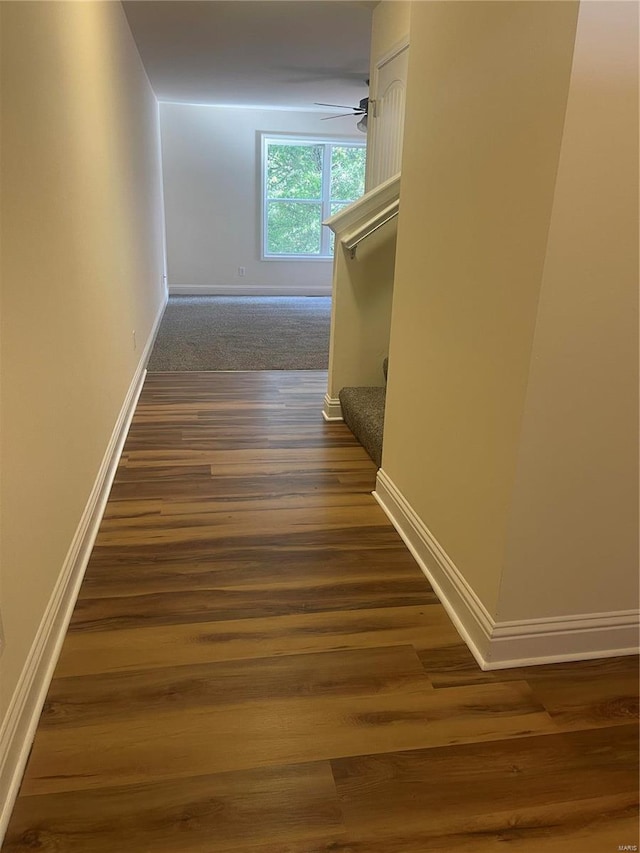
[[340, 106], [342, 115]]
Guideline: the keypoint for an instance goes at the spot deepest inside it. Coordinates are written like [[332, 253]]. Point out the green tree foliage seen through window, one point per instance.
[[295, 171], [304, 184], [347, 173], [293, 228]]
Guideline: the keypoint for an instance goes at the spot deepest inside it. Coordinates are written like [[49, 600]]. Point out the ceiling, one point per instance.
[[289, 53]]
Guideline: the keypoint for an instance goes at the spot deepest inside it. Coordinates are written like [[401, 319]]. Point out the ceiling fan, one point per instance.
[[361, 110]]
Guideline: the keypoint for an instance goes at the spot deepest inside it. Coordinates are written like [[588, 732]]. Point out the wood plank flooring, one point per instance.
[[256, 663]]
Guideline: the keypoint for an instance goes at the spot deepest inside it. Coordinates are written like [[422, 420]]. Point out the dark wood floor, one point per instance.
[[256, 664]]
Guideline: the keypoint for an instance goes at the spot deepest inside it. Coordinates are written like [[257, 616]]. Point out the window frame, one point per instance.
[[326, 253]]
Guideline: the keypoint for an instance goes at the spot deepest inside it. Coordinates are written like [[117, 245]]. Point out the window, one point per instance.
[[305, 181]]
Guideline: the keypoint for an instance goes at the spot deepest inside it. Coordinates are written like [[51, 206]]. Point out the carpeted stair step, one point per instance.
[[363, 412]]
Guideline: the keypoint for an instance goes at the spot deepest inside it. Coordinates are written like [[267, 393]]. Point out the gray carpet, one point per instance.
[[363, 412], [243, 333]]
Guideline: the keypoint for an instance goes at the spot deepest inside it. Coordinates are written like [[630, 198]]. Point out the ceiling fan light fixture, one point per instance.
[[362, 124]]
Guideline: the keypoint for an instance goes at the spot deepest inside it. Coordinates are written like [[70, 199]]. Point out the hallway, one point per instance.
[[256, 663]]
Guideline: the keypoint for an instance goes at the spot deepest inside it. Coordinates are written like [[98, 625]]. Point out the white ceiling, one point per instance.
[[289, 53]]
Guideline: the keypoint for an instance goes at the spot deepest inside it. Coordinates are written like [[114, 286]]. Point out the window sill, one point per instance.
[[297, 258]]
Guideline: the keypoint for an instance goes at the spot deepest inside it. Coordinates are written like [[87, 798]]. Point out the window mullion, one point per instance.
[[326, 197], [295, 200]]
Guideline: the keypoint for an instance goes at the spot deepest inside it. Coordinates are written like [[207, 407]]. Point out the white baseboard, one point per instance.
[[332, 410], [528, 642], [248, 290], [468, 614], [502, 645], [20, 722]]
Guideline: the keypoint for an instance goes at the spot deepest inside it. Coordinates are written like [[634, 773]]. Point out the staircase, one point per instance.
[[363, 413], [363, 270]]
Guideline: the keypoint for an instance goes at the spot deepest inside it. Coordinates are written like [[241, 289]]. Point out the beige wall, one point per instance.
[[82, 265], [389, 25], [389, 28], [211, 163], [361, 315], [486, 98], [573, 545]]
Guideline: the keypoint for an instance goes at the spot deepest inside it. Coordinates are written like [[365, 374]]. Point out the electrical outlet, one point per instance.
[[135, 345], [241, 271]]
